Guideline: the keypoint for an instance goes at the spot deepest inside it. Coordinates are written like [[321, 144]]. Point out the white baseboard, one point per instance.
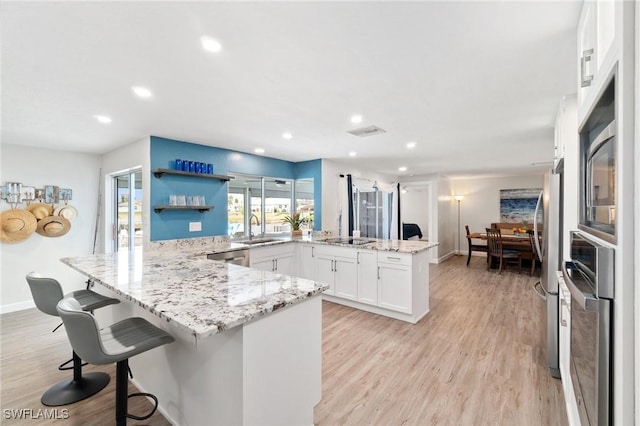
[[14, 307], [445, 257]]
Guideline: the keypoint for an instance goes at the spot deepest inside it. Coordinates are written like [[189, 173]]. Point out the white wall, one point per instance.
[[39, 167], [447, 218], [415, 208], [128, 157], [481, 204], [331, 170]]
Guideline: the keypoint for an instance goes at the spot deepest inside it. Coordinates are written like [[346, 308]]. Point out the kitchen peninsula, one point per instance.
[[248, 342]]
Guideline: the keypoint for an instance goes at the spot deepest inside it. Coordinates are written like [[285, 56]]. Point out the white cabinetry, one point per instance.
[[598, 48], [394, 282], [367, 276], [307, 263], [336, 266], [276, 258]]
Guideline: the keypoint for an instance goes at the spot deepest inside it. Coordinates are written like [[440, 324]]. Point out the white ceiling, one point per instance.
[[475, 84]]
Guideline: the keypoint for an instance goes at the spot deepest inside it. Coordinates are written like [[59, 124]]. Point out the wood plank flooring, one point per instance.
[[476, 358]]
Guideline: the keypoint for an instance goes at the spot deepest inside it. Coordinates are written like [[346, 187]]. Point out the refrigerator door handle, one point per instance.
[[535, 226]]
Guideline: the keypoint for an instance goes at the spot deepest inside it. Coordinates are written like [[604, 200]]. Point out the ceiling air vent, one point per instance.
[[367, 131]]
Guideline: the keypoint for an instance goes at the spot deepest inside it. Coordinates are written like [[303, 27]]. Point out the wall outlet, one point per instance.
[[195, 226]]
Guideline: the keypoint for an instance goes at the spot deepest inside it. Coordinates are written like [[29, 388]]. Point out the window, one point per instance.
[[258, 205], [127, 210]]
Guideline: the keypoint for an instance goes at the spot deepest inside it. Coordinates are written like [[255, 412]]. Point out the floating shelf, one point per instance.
[[201, 209], [160, 172]]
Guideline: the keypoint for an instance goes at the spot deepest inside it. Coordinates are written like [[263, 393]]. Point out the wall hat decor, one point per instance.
[[42, 216], [16, 225], [67, 211], [40, 210], [53, 226]]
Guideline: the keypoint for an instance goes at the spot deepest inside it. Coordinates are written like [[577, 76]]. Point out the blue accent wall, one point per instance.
[[312, 169], [169, 225]]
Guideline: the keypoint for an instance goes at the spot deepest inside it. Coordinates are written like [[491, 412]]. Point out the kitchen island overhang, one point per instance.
[[248, 343]]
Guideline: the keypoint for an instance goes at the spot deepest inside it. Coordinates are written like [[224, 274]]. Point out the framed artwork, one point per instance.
[[64, 195], [518, 205]]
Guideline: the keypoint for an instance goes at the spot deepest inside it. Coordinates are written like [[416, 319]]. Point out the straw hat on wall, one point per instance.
[[40, 210], [53, 226], [16, 225]]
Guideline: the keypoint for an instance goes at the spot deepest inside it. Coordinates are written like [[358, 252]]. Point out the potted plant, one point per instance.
[[295, 220]]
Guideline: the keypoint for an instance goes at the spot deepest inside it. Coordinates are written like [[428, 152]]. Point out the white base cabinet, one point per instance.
[[367, 261], [392, 284], [336, 266], [277, 258]]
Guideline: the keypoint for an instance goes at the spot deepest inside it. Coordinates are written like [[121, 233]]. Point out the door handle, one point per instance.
[[586, 301]]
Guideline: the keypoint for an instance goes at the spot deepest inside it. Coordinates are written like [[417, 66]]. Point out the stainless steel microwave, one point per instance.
[[598, 169]]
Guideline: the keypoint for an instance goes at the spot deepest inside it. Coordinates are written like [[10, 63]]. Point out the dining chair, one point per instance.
[[496, 250], [474, 247], [533, 254]]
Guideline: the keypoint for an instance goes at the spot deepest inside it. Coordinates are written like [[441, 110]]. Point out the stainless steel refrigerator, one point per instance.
[[549, 209]]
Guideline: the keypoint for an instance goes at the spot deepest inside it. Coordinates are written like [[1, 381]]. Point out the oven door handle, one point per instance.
[[587, 301]]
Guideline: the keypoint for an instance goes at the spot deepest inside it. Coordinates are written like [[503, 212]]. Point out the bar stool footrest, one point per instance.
[[63, 366], [146, 416]]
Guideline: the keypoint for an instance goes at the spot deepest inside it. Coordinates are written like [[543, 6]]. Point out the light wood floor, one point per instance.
[[475, 359]]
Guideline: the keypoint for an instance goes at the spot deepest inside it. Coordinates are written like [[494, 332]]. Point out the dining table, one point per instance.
[[515, 241]]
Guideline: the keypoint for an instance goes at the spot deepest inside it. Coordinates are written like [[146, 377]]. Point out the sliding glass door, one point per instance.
[[127, 229]]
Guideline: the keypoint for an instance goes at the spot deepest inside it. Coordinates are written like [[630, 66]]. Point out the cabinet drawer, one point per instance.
[[334, 251], [394, 258], [276, 250]]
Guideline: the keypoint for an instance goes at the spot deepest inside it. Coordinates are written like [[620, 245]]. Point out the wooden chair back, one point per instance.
[[494, 240]]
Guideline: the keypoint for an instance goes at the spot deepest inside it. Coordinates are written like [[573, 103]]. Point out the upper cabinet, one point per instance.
[[599, 37]]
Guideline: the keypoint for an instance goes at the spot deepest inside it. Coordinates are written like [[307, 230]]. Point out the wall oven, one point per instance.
[[598, 168], [590, 278]]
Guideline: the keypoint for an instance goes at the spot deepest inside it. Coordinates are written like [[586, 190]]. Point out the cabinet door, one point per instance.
[[263, 264], [284, 264], [346, 278], [394, 287], [324, 272], [587, 54], [368, 277], [308, 262]]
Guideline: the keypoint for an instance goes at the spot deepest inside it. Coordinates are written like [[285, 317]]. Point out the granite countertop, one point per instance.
[[197, 295], [210, 245]]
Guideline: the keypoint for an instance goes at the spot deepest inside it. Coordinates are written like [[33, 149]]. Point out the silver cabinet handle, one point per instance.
[[335, 266], [392, 258], [358, 258], [276, 262], [378, 272], [585, 80], [312, 253], [273, 265]]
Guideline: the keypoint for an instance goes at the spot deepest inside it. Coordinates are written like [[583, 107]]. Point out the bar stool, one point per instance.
[[46, 293], [116, 343]]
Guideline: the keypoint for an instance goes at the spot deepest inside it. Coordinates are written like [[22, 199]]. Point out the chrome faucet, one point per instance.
[[257, 223]]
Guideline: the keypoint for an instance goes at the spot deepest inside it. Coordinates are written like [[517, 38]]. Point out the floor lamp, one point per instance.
[[458, 198]]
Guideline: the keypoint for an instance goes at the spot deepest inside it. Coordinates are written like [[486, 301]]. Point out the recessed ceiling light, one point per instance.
[[411, 145], [356, 119], [352, 154], [141, 92], [210, 44], [287, 135], [402, 169], [259, 151], [103, 119]]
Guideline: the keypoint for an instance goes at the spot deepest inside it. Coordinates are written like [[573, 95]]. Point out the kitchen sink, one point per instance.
[[258, 241]]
